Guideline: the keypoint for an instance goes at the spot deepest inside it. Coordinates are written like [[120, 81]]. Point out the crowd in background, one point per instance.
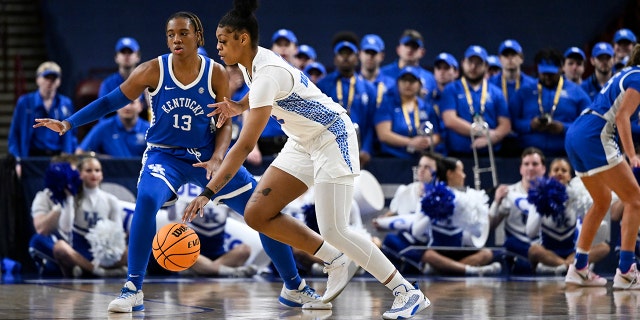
[[402, 110]]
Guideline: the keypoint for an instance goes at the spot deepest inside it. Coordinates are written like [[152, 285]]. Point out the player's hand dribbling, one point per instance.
[[195, 206], [225, 110], [53, 124]]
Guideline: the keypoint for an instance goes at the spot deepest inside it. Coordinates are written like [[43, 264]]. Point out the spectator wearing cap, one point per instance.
[[352, 91], [494, 64], [445, 71], [472, 98], [400, 120], [315, 71], [285, 43], [122, 136], [45, 102], [511, 78], [306, 54], [573, 65], [541, 113], [623, 42], [371, 57], [410, 50], [127, 58], [602, 61]]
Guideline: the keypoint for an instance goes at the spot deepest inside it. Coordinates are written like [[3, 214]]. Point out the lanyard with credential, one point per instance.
[[505, 91], [416, 117], [352, 89], [381, 90], [556, 98], [483, 98]]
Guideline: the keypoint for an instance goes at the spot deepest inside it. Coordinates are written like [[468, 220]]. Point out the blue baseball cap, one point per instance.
[[202, 51], [345, 44], [307, 51], [315, 66], [411, 39], [573, 51], [48, 68], [372, 42], [510, 44], [410, 70], [284, 33], [602, 48], [127, 43], [476, 51], [494, 61], [547, 66], [446, 58], [624, 34]]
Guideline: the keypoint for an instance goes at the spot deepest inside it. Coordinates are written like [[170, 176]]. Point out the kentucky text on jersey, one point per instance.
[[183, 103]]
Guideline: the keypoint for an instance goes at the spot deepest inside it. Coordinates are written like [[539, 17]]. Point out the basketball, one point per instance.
[[176, 247]]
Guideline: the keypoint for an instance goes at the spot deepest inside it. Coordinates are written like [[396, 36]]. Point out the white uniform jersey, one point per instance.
[[517, 208], [96, 205], [298, 105]]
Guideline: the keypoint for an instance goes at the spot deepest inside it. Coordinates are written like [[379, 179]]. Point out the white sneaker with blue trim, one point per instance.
[[130, 299], [304, 297], [408, 302]]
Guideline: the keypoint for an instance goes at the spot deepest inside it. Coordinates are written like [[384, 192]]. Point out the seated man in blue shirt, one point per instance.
[[119, 137]]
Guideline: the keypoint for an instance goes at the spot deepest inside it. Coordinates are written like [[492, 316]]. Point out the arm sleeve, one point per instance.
[[98, 108], [533, 224], [67, 215]]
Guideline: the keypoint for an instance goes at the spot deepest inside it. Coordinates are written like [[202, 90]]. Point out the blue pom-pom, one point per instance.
[[549, 197], [60, 177], [437, 202]]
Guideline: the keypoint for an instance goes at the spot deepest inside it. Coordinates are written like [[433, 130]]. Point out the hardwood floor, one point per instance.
[[364, 298]]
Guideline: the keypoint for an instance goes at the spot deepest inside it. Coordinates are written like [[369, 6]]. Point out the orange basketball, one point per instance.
[[176, 247]]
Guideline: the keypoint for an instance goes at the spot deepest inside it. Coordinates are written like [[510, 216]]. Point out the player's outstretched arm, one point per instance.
[[145, 75]]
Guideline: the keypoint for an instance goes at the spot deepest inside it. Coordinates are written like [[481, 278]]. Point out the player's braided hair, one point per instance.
[[195, 21], [634, 58]]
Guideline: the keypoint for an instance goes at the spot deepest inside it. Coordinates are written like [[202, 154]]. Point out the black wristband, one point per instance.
[[206, 193]]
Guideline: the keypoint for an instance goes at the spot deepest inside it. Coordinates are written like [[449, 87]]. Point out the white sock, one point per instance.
[[327, 252], [471, 269], [398, 280], [225, 270]]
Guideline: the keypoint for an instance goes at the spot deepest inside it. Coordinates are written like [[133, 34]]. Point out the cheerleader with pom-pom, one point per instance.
[[92, 219], [61, 179], [402, 209], [449, 209], [554, 220]]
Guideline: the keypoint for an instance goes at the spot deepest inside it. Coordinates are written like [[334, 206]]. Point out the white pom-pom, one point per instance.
[[107, 241]]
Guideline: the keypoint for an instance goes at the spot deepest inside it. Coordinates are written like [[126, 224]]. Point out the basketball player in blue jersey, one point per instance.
[[592, 146], [181, 84], [322, 151]]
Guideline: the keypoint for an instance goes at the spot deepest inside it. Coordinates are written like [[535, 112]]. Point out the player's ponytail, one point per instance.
[[634, 58]]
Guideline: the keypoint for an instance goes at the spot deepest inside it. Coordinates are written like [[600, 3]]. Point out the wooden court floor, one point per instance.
[[363, 298]]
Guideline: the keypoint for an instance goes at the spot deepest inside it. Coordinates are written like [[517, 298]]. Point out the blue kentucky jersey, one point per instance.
[[180, 110]]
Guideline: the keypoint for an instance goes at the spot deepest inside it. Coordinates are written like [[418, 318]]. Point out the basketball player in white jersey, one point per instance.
[[182, 140], [322, 150]]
